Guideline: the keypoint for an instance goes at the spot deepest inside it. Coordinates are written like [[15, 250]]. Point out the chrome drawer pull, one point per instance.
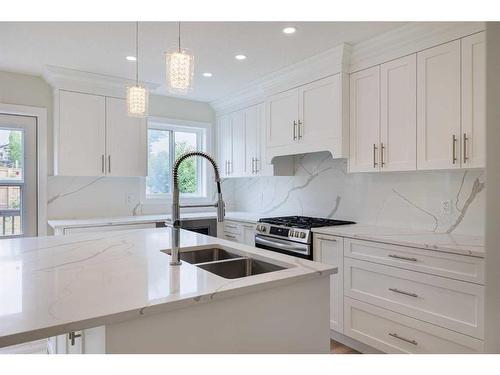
[[327, 239], [229, 236], [395, 335], [403, 258], [403, 292]]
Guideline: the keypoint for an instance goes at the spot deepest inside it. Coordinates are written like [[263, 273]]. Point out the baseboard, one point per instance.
[[355, 344]]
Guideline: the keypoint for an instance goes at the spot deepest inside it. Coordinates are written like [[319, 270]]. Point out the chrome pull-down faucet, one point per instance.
[[176, 222]]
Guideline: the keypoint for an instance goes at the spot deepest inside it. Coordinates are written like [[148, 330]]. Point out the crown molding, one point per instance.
[[408, 39], [92, 83], [329, 62]]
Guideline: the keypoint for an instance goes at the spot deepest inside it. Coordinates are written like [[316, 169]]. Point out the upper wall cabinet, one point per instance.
[[438, 107], [473, 135], [241, 136], [421, 111], [364, 119], [126, 141], [388, 93], [93, 136], [309, 118]]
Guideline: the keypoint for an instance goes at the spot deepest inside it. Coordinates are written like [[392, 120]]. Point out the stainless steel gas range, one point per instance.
[[290, 235]]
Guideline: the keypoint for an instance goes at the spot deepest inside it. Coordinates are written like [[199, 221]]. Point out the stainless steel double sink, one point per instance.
[[226, 264]]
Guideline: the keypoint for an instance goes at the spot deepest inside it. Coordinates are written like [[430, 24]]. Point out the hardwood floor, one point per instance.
[[338, 348]]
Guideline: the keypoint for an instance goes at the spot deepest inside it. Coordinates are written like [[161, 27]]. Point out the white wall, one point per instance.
[[322, 187], [492, 194]]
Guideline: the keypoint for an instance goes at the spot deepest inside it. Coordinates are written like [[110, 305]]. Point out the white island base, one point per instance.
[[293, 318]]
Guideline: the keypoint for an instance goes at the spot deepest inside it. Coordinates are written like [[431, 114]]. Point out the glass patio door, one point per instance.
[[18, 180]]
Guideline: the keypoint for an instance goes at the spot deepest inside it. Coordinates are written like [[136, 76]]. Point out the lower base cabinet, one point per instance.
[[391, 332], [241, 232]]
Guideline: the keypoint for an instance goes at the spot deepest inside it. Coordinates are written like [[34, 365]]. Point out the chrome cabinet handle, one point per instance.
[[375, 156], [256, 166], [230, 164], [395, 290], [454, 148], [465, 148], [327, 239], [102, 163], [229, 236], [382, 148], [72, 336], [253, 165], [300, 129], [109, 163], [294, 130], [395, 335], [403, 258]]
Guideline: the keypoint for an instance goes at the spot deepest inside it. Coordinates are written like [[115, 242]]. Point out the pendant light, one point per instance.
[[180, 68], [137, 95]]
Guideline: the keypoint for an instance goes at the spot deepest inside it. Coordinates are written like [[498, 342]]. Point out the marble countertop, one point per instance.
[[140, 219], [54, 285], [446, 242]]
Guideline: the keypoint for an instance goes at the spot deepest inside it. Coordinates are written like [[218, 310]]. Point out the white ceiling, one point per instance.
[[101, 47]]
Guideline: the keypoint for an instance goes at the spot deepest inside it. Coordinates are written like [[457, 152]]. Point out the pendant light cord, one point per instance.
[[179, 32], [137, 53]]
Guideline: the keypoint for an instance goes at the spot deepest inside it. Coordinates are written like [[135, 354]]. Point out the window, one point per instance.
[[17, 176], [166, 142]]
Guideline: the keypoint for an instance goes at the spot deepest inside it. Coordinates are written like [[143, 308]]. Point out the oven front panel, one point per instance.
[[292, 248]]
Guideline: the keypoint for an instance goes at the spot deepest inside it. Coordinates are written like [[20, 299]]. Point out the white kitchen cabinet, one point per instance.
[[282, 118], [398, 123], [93, 136], [126, 140], [320, 110], [252, 140], [329, 250], [383, 117], [438, 107], [225, 144], [473, 135], [248, 234], [80, 143], [364, 122], [238, 164], [309, 118]]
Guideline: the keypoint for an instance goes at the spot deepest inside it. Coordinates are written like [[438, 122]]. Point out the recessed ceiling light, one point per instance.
[[289, 30], [131, 58], [240, 57], [207, 74]]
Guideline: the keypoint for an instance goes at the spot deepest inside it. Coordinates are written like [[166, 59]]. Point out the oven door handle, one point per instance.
[[282, 245]]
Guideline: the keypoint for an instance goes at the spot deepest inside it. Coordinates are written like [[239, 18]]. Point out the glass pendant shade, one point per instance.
[[137, 101], [180, 69]]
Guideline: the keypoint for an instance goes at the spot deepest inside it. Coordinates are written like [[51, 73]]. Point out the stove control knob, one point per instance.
[[261, 228], [302, 235]]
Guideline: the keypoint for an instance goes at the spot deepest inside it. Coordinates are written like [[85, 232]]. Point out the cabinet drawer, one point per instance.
[[395, 333], [452, 304], [232, 237], [232, 227], [460, 267]]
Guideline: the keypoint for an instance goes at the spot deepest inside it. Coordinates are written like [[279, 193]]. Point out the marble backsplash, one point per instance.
[[322, 187]]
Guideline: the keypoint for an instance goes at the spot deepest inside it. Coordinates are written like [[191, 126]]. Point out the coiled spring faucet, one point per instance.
[[176, 206]]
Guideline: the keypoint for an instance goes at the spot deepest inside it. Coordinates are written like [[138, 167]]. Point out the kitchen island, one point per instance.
[[120, 287]]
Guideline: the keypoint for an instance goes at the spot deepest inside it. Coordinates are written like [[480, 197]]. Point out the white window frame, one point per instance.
[[204, 131], [41, 134]]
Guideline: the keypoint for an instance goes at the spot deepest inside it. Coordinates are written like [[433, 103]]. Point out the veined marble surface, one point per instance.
[[140, 219], [322, 187], [447, 242], [54, 285]]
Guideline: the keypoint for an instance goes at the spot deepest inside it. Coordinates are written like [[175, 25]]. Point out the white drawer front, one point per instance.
[[458, 267], [232, 237], [395, 333], [448, 303], [232, 227]]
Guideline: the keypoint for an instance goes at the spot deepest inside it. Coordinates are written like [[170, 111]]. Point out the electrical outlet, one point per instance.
[[446, 207]]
